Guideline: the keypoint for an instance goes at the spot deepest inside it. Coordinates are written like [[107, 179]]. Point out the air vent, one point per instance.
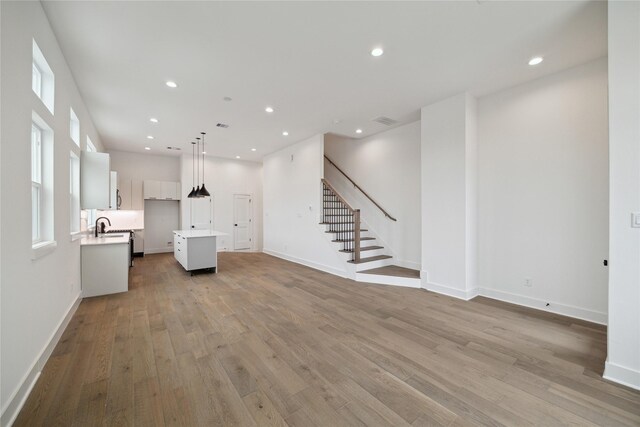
[[174, 148], [386, 121], [222, 125]]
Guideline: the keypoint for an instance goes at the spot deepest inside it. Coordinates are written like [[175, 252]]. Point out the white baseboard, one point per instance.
[[19, 396], [447, 290], [553, 307], [315, 265], [621, 375]]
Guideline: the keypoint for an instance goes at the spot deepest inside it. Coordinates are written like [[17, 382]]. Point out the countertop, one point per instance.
[[106, 239], [199, 233]]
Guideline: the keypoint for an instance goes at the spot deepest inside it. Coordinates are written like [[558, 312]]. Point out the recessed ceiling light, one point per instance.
[[536, 60], [269, 109], [204, 152], [285, 133], [377, 51], [237, 157], [253, 149], [153, 120], [147, 148], [358, 130], [172, 84], [149, 137]]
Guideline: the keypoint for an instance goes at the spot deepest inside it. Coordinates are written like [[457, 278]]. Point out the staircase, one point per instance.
[[360, 248], [343, 222]]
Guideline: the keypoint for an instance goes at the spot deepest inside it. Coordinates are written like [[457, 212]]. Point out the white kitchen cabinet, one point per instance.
[[113, 190], [152, 189], [105, 265], [161, 190], [137, 201], [169, 190], [130, 194], [196, 249], [95, 177]]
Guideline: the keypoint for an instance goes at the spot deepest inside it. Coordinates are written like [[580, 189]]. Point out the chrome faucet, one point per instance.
[[96, 229]]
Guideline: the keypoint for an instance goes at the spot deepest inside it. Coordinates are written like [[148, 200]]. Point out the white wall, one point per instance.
[[448, 171], [543, 192], [223, 179], [623, 358], [37, 295], [387, 167], [292, 203]]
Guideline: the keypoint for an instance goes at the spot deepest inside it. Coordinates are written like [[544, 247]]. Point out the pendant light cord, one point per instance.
[[203, 134], [198, 162]]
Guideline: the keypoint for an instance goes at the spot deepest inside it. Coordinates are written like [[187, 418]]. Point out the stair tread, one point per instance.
[[351, 240], [370, 259], [366, 248], [344, 231], [333, 223]]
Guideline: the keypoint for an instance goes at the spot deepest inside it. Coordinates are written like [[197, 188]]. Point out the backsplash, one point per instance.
[[124, 220]]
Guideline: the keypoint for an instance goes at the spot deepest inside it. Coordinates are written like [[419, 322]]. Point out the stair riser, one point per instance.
[[347, 256]]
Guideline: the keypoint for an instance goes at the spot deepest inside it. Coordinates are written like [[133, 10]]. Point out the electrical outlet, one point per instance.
[[528, 282]]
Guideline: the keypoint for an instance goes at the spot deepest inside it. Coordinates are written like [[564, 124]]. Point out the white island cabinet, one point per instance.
[[105, 264], [196, 249]]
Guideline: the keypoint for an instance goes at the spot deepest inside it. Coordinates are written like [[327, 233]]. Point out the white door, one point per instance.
[[241, 221], [202, 213]]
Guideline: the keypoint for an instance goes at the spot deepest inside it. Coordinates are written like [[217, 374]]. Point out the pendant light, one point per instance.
[[193, 174], [203, 189], [197, 193]]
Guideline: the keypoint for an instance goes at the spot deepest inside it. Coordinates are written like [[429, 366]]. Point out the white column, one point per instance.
[[449, 197], [623, 358]]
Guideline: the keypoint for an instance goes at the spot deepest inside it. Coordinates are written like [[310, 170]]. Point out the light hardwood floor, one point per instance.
[[267, 342]]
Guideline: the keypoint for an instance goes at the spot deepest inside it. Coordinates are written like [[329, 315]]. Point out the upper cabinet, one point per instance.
[[161, 190], [130, 191], [95, 178]]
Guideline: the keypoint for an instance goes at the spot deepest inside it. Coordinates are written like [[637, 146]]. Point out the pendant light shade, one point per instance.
[[193, 174], [203, 189]]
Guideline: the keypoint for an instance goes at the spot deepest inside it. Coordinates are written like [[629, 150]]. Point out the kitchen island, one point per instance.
[[196, 249], [105, 264]]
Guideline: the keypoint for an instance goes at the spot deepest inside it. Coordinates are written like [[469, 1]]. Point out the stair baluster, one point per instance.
[[342, 219]]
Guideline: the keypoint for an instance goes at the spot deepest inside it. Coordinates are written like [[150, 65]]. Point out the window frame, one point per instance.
[[36, 184]]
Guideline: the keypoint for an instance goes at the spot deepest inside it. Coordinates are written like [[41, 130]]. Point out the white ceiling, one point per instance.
[[309, 60]]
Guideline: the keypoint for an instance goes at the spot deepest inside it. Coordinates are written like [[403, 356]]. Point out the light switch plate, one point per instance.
[[635, 219]]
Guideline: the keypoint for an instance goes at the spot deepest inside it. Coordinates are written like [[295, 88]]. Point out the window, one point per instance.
[[74, 127], [36, 184], [42, 80], [91, 214], [42, 233], [36, 80], [74, 192], [90, 147]]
